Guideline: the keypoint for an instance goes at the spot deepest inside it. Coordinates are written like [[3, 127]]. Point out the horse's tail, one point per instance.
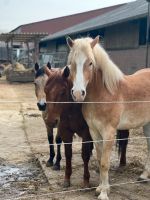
[[122, 142]]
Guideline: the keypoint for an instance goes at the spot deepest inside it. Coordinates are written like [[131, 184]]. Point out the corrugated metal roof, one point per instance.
[[132, 10], [57, 24]]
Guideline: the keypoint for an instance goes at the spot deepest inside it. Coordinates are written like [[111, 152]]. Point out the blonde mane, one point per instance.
[[111, 74]]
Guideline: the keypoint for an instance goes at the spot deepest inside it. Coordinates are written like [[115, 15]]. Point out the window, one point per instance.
[[93, 34], [142, 31]]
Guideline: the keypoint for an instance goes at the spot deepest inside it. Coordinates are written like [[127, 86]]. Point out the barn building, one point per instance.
[[122, 31], [52, 26]]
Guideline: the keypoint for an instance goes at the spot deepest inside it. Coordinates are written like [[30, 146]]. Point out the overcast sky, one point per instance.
[[14, 13]]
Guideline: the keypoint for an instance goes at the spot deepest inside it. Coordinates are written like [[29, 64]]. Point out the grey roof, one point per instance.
[[130, 11]]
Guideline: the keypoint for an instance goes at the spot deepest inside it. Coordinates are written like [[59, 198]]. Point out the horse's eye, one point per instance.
[[62, 93], [90, 63]]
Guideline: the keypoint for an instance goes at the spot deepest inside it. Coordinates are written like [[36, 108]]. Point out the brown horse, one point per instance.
[[112, 100], [40, 81], [122, 142], [57, 89]]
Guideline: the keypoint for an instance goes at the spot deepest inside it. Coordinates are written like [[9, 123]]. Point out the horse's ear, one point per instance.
[[49, 65], [70, 42], [47, 71], [94, 42], [66, 72], [36, 67]]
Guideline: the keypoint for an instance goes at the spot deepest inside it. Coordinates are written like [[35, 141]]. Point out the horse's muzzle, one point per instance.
[[41, 107], [78, 96]]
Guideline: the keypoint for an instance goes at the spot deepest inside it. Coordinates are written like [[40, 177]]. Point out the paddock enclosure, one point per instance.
[[24, 151]]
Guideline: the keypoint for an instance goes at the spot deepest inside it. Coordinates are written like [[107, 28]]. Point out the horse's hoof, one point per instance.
[[142, 180], [122, 164], [56, 167], [66, 184], [98, 191], [97, 170], [103, 197], [49, 163], [86, 184], [119, 169]]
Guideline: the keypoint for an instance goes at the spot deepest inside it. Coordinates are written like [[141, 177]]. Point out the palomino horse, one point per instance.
[[40, 81], [57, 90], [116, 101]]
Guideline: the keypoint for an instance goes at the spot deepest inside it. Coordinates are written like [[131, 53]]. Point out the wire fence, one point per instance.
[[80, 142], [51, 194], [85, 102]]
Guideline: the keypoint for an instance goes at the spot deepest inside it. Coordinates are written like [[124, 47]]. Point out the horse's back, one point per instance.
[[143, 70], [137, 84], [135, 92]]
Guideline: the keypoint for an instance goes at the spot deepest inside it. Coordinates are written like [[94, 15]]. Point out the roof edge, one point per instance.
[[93, 28], [66, 16]]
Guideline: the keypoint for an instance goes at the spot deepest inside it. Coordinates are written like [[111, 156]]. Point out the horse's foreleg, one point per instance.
[[98, 145], [86, 153], [58, 157], [146, 174], [108, 140], [68, 155], [51, 147]]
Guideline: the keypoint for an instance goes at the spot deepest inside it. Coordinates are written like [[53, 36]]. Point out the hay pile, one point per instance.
[[18, 73]]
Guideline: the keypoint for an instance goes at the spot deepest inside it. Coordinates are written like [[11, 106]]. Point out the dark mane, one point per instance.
[[40, 72]]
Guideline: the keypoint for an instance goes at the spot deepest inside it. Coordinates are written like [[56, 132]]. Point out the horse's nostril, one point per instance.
[[41, 107], [72, 91], [83, 92]]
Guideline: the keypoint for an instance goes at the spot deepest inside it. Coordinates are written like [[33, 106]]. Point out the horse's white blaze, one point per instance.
[[40, 84], [79, 83], [42, 102]]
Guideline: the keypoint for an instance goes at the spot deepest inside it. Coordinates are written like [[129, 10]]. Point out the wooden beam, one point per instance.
[[11, 51], [7, 47], [28, 52], [36, 49]]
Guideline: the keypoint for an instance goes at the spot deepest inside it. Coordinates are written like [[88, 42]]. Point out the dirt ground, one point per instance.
[[24, 152]]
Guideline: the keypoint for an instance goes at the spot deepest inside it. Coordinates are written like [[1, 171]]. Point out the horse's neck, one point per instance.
[[98, 92]]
